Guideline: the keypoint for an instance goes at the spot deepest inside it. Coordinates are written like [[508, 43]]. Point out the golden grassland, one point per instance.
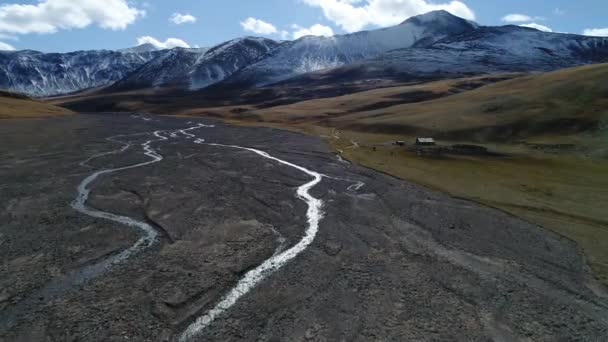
[[23, 108], [526, 106]]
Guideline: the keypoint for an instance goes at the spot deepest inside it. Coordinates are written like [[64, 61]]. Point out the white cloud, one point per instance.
[[167, 44], [596, 32], [538, 27], [49, 16], [314, 30], [520, 18], [258, 26], [354, 15], [178, 18], [4, 46], [517, 18]]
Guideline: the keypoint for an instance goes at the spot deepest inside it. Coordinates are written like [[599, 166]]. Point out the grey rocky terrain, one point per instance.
[[391, 261]]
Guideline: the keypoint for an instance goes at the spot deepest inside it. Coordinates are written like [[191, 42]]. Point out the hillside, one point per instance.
[[16, 106], [564, 102]]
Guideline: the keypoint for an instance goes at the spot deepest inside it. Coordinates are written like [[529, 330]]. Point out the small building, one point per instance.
[[425, 141]]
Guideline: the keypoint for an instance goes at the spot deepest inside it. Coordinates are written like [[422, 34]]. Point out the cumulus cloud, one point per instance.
[[519, 18], [516, 18], [167, 44], [538, 27], [4, 47], [596, 32], [258, 26], [314, 30], [354, 15], [50, 16], [178, 18]]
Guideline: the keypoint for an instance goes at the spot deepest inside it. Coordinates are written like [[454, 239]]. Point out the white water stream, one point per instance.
[[252, 278], [150, 233]]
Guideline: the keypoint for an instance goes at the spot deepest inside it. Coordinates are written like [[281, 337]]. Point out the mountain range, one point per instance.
[[46, 74], [436, 44]]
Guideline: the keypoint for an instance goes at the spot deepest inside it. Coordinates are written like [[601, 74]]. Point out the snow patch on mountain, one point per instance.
[[315, 53], [197, 68], [47, 74]]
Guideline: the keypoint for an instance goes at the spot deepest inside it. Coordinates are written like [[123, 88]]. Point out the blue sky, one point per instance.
[[68, 25]]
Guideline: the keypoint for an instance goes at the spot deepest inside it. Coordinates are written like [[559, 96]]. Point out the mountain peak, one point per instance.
[[440, 22], [140, 49], [442, 16]]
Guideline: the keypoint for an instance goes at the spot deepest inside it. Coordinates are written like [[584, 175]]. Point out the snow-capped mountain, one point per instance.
[[484, 50], [309, 54], [46, 74], [169, 69], [140, 49], [436, 44], [198, 68]]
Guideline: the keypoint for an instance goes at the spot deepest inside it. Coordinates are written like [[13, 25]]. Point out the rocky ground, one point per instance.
[[392, 261]]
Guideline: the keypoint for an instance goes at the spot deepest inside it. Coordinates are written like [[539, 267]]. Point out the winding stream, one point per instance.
[[252, 278], [59, 286], [150, 234]]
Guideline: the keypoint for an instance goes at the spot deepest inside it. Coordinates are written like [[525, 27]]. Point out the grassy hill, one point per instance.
[[558, 103], [16, 106]]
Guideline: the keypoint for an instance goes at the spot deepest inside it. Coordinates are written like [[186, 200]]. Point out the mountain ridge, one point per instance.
[[436, 44]]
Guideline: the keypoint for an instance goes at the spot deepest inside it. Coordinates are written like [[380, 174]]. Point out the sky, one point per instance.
[[71, 25]]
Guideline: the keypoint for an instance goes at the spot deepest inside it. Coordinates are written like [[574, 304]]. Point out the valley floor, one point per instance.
[[391, 260]]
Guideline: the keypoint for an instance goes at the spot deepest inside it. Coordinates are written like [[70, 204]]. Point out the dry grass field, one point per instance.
[[563, 102], [14, 106]]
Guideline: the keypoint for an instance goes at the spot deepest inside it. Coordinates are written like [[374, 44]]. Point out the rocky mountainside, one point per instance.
[[481, 50], [310, 53], [436, 44], [197, 68], [46, 74], [169, 69]]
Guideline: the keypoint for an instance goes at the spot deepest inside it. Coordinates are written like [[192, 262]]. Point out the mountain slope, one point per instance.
[[560, 103], [484, 50], [309, 54], [46, 74], [169, 69], [16, 106], [197, 68]]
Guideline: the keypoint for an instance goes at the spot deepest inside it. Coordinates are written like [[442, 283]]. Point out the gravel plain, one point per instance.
[[392, 261]]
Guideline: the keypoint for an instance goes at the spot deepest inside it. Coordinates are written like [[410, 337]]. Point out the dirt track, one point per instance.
[[391, 260]]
